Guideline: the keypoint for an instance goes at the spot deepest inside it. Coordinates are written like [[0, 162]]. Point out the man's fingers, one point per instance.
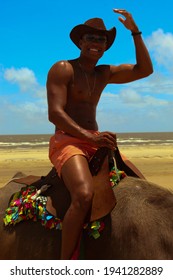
[[110, 134], [122, 20], [110, 138], [121, 11]]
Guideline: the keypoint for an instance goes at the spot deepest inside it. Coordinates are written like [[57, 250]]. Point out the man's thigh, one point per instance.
[[76, 174]]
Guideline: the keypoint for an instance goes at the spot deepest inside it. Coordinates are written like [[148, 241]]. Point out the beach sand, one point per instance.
[[155, 162]]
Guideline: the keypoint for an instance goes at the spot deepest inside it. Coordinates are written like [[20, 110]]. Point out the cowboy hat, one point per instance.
[[93, 25]]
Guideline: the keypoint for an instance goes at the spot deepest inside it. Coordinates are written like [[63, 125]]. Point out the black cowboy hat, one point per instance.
[[93, 25]]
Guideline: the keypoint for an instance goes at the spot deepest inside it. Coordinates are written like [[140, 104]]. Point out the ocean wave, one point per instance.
[[123, 139], [23, 144]]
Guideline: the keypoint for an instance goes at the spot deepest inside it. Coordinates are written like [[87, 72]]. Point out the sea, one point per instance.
[[33, 141]]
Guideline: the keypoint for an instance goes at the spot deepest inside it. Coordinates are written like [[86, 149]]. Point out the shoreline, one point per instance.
[[155, 162]]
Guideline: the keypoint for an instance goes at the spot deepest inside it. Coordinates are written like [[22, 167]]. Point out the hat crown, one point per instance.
[[96, 23], [93, 25]]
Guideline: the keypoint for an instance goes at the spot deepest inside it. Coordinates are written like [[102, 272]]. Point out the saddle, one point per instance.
[[58, 197]]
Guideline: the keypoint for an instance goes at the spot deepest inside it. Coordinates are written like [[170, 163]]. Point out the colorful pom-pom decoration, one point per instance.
[[28, 205]]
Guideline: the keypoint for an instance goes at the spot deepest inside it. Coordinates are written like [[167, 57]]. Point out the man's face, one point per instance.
[[93, 45]]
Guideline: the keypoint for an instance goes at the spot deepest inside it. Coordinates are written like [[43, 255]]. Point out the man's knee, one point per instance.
[[83, 198]]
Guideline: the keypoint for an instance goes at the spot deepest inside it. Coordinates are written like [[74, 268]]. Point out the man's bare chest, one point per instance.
[[86, 88]]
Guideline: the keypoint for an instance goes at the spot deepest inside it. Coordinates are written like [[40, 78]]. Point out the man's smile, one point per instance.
[[94, 50]]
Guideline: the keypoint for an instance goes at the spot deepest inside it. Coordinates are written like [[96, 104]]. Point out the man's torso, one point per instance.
[[81, 103]]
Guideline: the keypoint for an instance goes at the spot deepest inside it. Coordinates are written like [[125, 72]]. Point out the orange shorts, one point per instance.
[[63, 146]]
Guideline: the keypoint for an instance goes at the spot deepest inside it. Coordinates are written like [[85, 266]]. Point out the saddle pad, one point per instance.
[[27, 180], [104, 199]]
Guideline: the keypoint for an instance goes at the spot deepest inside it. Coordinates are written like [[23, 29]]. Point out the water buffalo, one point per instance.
[[140, 227]]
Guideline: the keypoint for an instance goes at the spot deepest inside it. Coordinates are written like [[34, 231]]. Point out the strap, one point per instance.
[[97, 160], [121, 165]]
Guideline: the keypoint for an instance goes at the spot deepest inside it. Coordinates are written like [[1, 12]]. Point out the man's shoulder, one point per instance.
[[102, 67], [60, 72], [62, 64], [61, 68]]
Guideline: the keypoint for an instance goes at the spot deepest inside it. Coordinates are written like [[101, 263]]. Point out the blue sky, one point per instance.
[[35, 34]]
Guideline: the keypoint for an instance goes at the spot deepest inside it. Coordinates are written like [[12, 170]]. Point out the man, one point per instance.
[[74, 88]]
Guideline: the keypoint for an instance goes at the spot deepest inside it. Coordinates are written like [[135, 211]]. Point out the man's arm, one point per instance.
[[125, 73]]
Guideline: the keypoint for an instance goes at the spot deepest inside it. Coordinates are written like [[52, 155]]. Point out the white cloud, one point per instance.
[[19, 113], [25, 117], [129, 111], [155, 84], [30, 111], [25, 79], [130, 96], [161, 45]]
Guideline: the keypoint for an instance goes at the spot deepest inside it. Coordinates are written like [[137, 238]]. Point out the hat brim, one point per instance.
[[81, 29]]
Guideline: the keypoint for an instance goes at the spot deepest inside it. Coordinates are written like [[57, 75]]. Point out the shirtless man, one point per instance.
[[74, 88]]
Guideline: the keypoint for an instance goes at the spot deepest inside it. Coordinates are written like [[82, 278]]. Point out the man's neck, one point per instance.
[[87, 64]]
